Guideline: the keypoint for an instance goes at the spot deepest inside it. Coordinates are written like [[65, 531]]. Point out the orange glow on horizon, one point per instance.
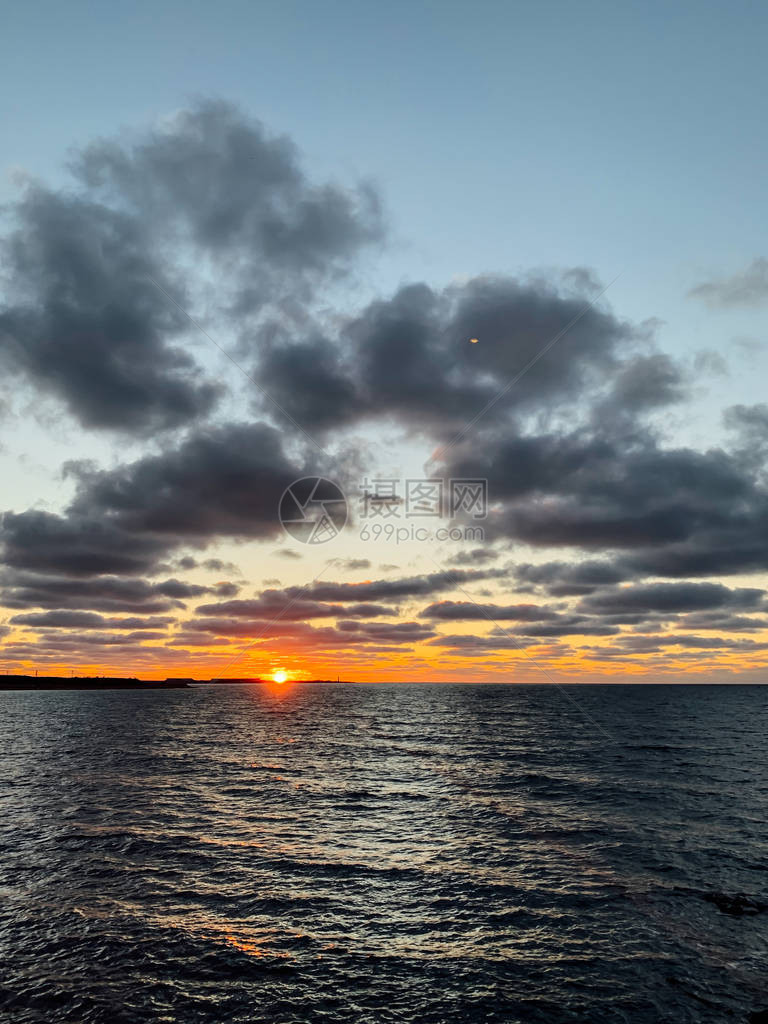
[[584, 661]]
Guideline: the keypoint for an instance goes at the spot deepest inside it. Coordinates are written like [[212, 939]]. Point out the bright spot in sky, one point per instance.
[[279, 676], [473, 341]]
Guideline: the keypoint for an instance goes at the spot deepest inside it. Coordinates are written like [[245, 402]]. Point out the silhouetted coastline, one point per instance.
[[88, 683], [25, 682]]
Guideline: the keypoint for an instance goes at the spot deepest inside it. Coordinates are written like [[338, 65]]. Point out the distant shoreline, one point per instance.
[[20, 682], [87, 683]]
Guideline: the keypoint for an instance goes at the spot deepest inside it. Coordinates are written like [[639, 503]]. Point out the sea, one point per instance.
[[415, 853]]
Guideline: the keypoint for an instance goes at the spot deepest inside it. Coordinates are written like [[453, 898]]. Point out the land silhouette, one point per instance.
[[27, 682]]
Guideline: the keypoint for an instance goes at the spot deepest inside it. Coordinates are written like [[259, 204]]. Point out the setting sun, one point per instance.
[[279, 676]]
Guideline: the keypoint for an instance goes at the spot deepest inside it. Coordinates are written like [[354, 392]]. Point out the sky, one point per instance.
[[253, 244]]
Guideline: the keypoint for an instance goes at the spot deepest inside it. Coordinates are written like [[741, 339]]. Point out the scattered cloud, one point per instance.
[[616, 530], [747, 288]]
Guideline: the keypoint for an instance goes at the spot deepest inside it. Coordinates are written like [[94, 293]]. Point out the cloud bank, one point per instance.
[[613, 528]]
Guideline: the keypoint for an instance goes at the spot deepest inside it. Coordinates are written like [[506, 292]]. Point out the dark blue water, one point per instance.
[[384, 853]]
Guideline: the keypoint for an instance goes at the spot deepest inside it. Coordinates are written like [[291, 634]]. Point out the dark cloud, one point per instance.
[[475, 556], [95, 272], [218, 181], [188, 563], [88, 325], [660, 512], [180, 590], [482, 644], [223, 481], [274, 603], [217, 565], [393, 590], [721, 621], [284, 613], [671, 598], [749, 426], [571, 625], [200, 638], [453, 610], [346, 632], [596, 479], [212, 626], [101, 593], [387, 632], [749, 287], [309, 378], [78, 544], [408, 356], [530, 620], [591, 491], [563, 579], [644, 383], [88, 620], [703, 642], [122, 522], [658, 643]]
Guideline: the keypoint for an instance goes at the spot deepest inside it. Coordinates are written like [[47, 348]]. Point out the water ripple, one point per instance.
[[420, 854]]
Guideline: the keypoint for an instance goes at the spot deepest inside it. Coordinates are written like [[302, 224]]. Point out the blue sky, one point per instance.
[[545, 130]]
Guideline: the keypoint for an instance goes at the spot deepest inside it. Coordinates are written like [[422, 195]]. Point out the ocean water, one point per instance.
[[384, 853]]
